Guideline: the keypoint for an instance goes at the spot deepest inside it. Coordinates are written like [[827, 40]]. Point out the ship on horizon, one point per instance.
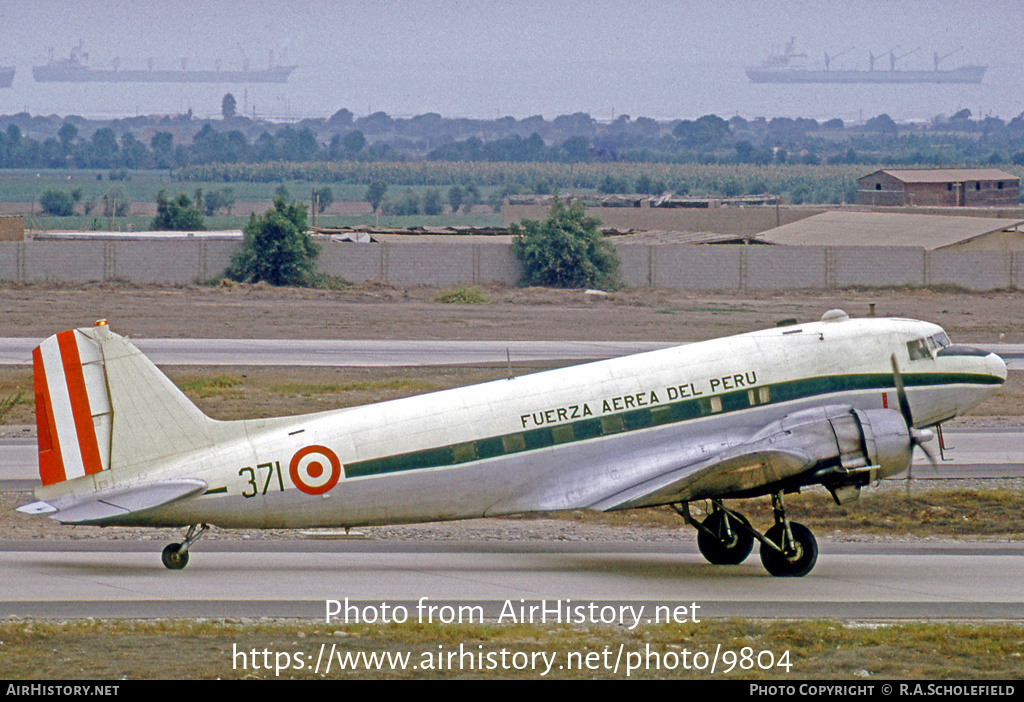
[[76, 69], [786, 67]]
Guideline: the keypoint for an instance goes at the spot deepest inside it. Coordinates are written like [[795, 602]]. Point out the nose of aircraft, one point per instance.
[[996, 366]]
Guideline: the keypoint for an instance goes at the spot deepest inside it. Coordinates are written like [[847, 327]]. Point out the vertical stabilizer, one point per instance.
[[102, 405], [73, 415]]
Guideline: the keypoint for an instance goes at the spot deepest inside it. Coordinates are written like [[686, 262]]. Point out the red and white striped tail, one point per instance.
[[73, 414]]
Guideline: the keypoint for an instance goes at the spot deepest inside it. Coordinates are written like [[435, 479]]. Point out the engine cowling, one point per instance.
[[847, 447], [873, 438]]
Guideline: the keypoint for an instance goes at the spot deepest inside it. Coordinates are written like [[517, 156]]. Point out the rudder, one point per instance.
[[102, 405], [73, 415]]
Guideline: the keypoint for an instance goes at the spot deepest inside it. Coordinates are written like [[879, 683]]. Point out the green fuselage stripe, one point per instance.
[[653, 416]]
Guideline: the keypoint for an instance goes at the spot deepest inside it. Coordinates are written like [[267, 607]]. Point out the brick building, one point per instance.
[[942, 187]]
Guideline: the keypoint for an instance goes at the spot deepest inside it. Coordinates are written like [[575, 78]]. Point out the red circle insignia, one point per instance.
[[307, 469]]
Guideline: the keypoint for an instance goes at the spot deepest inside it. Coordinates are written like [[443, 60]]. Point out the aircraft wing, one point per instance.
[[835, 445], [742, 468], [115, 502]]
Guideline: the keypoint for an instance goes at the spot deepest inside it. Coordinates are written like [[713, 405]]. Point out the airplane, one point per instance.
[[841, 403]]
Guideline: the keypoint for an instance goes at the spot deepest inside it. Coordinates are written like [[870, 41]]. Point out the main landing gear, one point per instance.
[[788, 549], [175, 556]]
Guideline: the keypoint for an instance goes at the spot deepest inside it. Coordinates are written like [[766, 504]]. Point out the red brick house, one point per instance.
[[942, 187]]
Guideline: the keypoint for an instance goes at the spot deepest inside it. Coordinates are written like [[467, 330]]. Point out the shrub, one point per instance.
[[462, 295], [57, 203], [276, 248], [566, 250], [176, 215]]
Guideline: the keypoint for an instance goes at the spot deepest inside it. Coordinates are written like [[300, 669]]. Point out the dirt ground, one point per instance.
[[373, 311]]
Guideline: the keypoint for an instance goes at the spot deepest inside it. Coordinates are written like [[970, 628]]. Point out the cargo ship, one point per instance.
[[75, 69], [786, 68]]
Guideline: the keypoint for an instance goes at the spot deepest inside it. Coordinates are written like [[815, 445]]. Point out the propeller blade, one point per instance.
[[901, 393], [918, 438]]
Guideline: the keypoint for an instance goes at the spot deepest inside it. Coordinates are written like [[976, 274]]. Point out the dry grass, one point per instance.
[[886, 512]]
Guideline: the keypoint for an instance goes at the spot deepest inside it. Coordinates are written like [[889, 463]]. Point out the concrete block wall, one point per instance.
[[356, 263], [975, 270], [680, 266], [71, 261], [877, 266], [785, 268], [415, 264], [696, 267]]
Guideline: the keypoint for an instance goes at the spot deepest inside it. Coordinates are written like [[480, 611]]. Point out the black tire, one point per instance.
[[723, 549], [174, 558], [793, 565]]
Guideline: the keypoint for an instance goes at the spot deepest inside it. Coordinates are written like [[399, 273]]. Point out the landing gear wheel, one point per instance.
[[174, 558], [795, 564], [728, 546]]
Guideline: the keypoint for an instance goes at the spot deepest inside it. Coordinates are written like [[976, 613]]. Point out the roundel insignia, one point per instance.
[[315, 469]]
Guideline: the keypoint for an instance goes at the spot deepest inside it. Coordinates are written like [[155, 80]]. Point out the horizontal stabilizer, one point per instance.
[[119, 501]]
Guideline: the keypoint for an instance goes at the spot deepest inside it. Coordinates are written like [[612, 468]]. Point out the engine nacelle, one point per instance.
[[848, 447], [886, 440]]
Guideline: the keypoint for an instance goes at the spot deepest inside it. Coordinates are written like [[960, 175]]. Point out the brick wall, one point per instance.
[[680, 266]]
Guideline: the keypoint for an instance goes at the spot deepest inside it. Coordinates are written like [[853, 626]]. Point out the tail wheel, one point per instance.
[[795, 561], [730, 540], [174, 558]]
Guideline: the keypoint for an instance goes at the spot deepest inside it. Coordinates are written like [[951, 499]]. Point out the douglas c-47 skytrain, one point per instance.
[[839, 403]]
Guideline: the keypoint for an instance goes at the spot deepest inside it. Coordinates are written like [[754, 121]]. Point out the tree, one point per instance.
[[67, 134], [471, 197], [353, 143], [324, 197], [432, 202], [455, 197], [162, 145], [566, 250], [57, 203], [706, 132], [882, 123], [375, 193], [176, 215], [227, 106], [276, 248], [104, 148], [223, 199]]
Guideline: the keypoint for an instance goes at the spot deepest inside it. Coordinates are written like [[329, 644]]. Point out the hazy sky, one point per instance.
[[488, 58]]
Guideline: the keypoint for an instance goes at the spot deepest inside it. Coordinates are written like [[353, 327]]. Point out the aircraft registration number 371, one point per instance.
[[840, 403]]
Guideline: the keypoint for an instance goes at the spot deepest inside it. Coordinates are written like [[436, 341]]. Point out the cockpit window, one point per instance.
[[928, 346], [918, 349]]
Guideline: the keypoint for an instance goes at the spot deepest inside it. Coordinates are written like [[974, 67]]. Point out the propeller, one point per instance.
[[918, 437]]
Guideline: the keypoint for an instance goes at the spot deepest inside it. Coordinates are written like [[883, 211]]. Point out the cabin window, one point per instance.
[[949, 186], [878, 186], [918, 349], [999, 185], [977, 186]]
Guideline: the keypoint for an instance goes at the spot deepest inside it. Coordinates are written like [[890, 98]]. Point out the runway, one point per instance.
[[380, 353], [295, 579]]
